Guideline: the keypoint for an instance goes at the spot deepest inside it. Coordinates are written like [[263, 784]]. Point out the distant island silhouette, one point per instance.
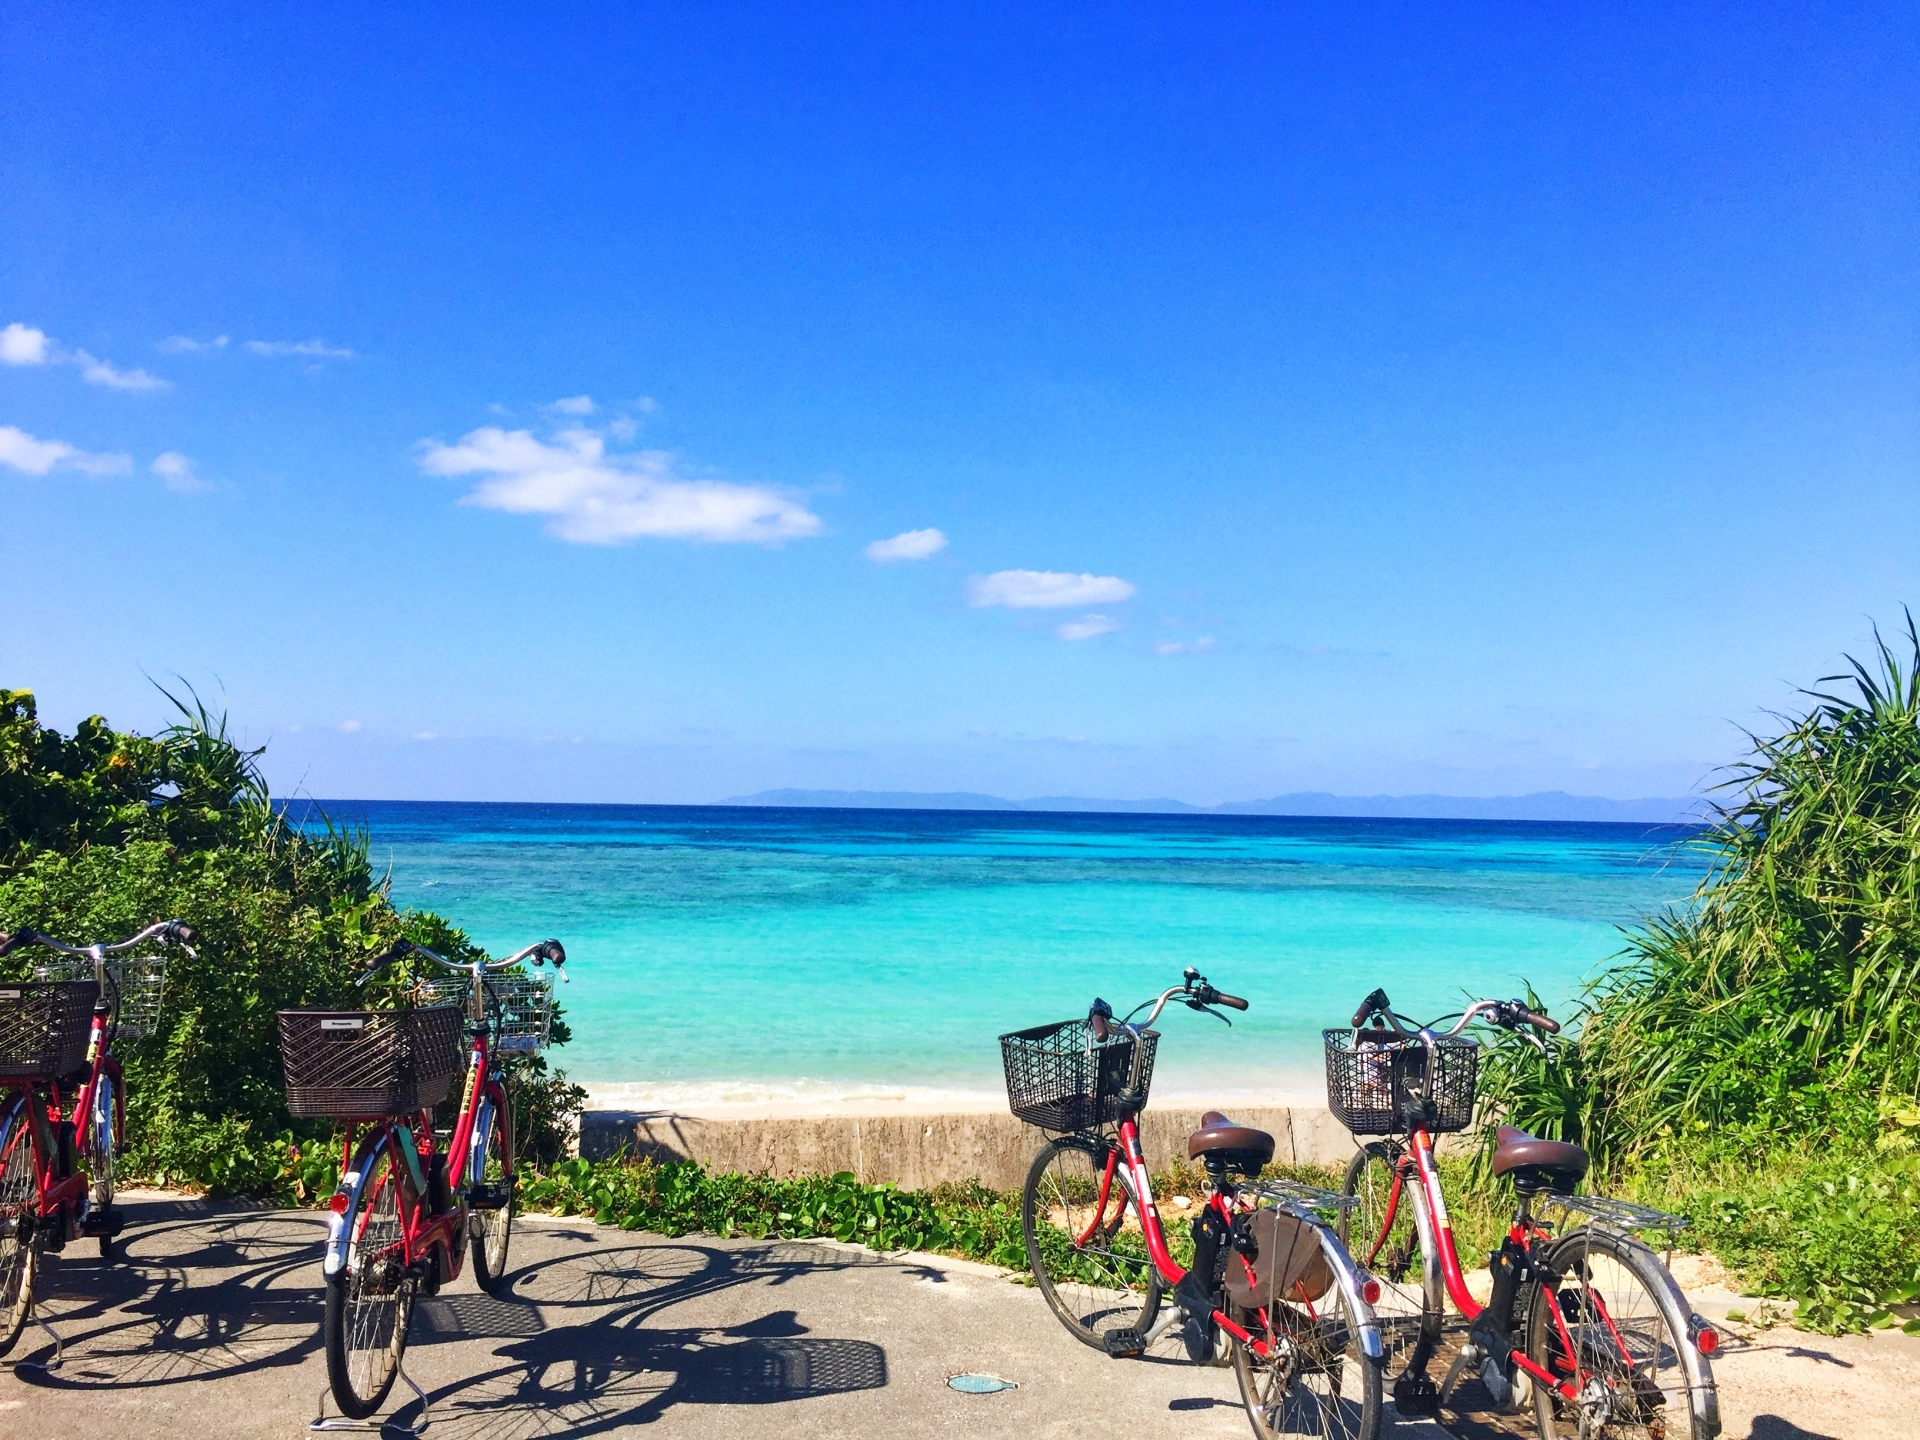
[[1541, 805]]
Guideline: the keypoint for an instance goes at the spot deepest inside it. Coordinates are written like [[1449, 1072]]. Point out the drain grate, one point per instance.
[[980, 1384]]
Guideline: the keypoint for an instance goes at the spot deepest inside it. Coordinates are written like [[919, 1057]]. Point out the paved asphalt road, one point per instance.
[[210, 1328]]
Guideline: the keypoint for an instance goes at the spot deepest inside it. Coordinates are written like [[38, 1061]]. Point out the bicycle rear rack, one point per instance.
[[1609, 1214], [1299, 1199]]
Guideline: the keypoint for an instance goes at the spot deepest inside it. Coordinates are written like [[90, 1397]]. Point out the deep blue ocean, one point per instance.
[[753, 955]]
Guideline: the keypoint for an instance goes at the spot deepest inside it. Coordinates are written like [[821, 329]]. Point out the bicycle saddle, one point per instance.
[[1534, 1162], [1231, 1147]]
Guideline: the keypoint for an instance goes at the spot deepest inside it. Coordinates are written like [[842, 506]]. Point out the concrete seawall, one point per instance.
[[919, 1151]]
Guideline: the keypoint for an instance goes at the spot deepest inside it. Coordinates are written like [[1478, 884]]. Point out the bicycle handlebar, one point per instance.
[[540, 952], [1507, 1014], [167, 932]]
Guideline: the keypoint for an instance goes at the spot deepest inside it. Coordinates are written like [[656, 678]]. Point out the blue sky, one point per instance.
[[502, 405]]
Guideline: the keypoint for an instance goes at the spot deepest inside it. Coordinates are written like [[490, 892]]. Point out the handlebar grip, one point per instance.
[[554, 951], [7, 942], [1376, 1001], [1541, 1022], [1232, 1002], [182, 933]]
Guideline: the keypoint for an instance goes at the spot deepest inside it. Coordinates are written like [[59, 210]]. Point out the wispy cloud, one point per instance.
[[599, 499], [1185, 647], [187, 345], [907, 545], [100, 372], [1045, 590], [1087, 627], [30, 456], [573, 405], [177, 471], [24, 345], [303, 349]]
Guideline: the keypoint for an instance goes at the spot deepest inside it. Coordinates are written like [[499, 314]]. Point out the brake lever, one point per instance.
[[1206, 1009]]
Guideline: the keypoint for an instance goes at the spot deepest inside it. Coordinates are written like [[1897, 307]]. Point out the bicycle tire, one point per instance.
[[1324, 1386], [369, 1305], [1094, 1290], [1614, 1291], [100, 1157], [1412, 1305], [490, 1232], [19, 1197]]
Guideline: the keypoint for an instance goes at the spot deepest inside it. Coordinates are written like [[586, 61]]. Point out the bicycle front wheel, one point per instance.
[[1382, 1235], [1085, 1244], [1316, 1381], [490, 1224], [19, 1207], [1616, 1328], [370, 1301], [100, 1157]]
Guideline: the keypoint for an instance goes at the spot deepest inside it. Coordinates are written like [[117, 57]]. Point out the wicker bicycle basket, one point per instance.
[[360, 1064], [140, 979], [1374, 1088], [43, 1028], [519, 1005], [1060, 1078]]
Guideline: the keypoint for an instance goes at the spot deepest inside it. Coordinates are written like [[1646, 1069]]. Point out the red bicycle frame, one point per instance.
[[1418, 1161], [57, 1195], [423, 1229]]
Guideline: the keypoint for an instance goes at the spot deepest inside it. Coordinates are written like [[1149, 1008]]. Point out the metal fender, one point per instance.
[[345, 1205], [1347, 1276]]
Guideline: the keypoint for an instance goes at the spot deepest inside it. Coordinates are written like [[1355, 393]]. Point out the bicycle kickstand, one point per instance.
[[59, 1350], [322, 1421]]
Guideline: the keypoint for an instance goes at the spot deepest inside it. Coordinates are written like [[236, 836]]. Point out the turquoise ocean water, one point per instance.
[[732, 954]]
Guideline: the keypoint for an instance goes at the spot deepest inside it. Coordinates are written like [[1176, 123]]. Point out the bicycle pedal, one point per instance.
[[1123, 1344], [107, 1223], [489, 1197], [1416, 1395]]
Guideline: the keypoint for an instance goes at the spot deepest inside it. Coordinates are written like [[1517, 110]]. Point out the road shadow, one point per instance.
[[612, 1367], [194, 1293]]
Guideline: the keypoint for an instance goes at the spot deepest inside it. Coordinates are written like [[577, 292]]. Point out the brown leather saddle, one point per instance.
[[1537, 1164], [1223, 1145]]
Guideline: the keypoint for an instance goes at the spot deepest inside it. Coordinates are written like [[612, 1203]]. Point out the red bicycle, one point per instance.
[[1271, 1282], [406, 1210], [63, 1101], [1585, 1326]]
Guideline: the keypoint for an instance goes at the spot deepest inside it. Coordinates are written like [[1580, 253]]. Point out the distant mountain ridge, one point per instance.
[[1540, 805]]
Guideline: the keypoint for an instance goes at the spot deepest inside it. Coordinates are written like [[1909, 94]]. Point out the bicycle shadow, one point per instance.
[[612, 1369], [151, 1317]]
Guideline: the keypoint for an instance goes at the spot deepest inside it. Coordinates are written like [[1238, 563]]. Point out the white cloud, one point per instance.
[[350, 727], [645, 404], [1185, 647], [23, 345], [573, 405], [600, 499], [1087, 627], [36, 457], [177, 471], [908, 545], [1045, 589], [426, 735], [307, 349], [99, 372], [187, 345]]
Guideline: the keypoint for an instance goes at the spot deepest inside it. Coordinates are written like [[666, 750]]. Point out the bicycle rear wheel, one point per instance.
[[19, 1208], [370, 1302], [1090, 1262], [490, 1225], [1624, 1346], [1383, 1236], [1317, 1382]]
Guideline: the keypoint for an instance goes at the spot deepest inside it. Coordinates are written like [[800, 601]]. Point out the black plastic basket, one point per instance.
[[1377, 1088], [360, 1064], [44, 1026], [1063, 1080]]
